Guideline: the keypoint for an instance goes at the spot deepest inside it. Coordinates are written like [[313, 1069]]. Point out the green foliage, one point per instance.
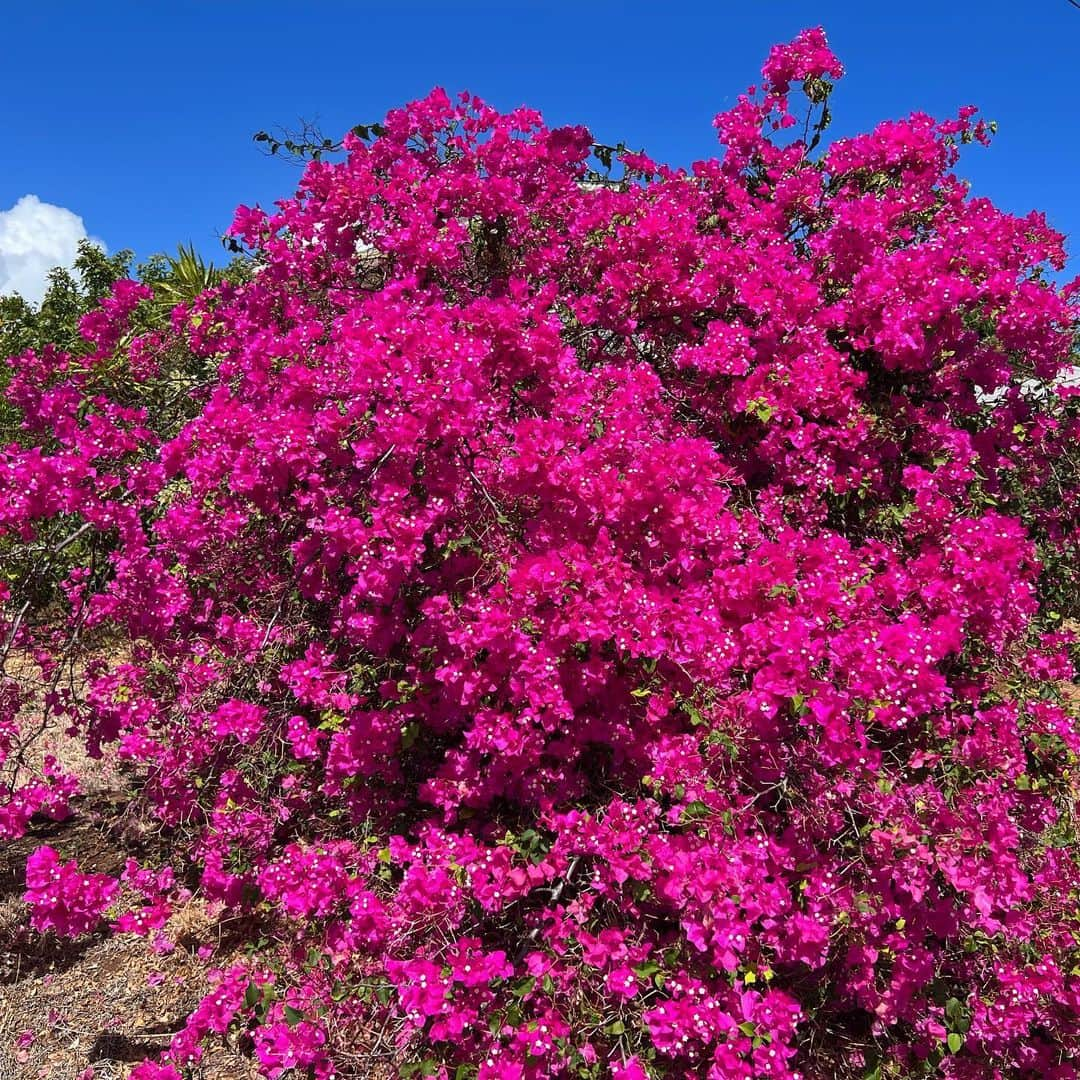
[[71, 294], [181, 278]]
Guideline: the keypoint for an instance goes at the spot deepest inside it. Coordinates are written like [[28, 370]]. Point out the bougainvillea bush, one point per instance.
[[589, 618]]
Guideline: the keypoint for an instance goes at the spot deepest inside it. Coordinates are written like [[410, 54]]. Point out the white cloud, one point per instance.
[[35, 236]]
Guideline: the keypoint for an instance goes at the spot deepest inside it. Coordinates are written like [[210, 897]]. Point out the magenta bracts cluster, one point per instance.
[[590, 627]]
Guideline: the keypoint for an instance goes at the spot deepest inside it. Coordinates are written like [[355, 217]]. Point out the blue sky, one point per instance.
[[138, 117]]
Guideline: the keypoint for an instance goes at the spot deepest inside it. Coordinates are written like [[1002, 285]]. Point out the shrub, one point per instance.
[[588, 618]]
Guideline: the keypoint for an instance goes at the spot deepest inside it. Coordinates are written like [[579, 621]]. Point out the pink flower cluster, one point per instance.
[[63, 898], [596, 625]]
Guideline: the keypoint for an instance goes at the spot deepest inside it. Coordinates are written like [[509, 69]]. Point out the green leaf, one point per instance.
[[955, 1041], [760, 409], [696, 719], [293, 1016], [695, 811]]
